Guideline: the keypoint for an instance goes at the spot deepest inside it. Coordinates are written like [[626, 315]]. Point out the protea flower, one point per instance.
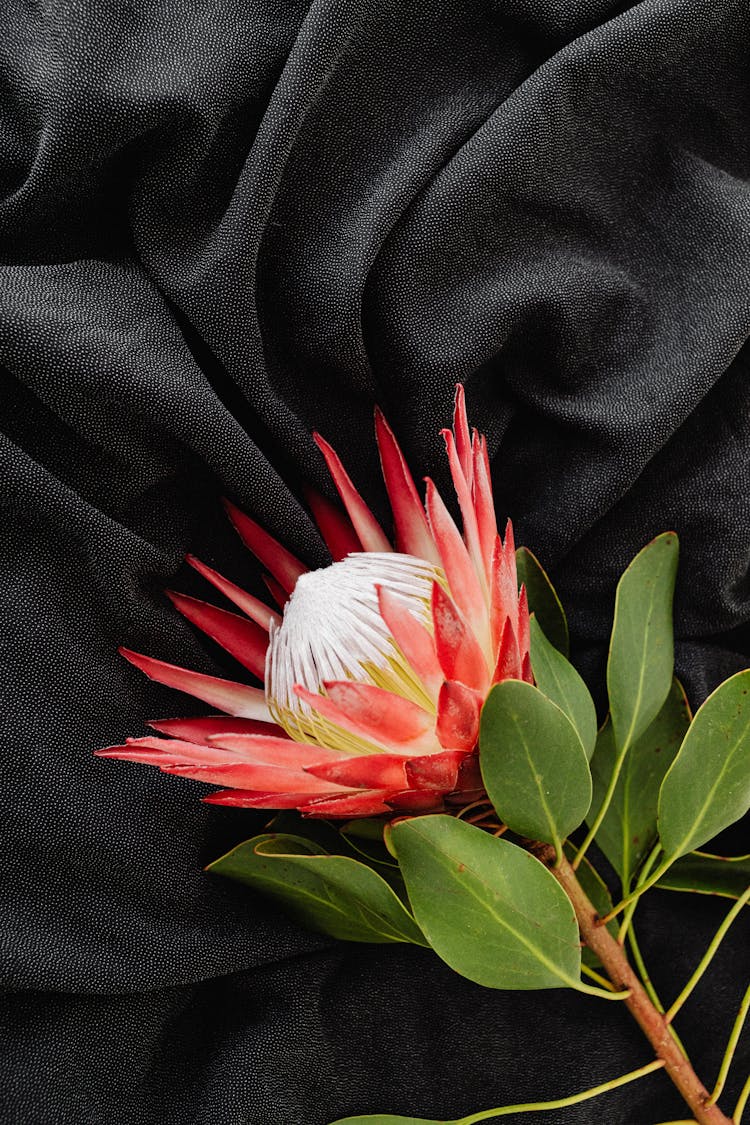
[[376, 669]]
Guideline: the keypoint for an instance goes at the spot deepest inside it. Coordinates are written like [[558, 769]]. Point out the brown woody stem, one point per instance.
[[650, 1020]]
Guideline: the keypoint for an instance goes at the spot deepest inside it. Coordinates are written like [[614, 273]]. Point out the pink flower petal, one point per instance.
[[415, 801], [242, 639], [457, 648], [466, 504], [508, 665], [410, 524], [461, 432], [368, 529], [276, 590], [202, 729], [504, 587], [285, 568], [255, 609], [252, 750], [261, 778], [335, 526], [366, 803], [459, 569], [484, 504], [457, 724], [412, 638], [374, 714], [470, 780], [524, 625], [365, 771], [262, 750], [163, 752], [252, 799], [438, 772], [236, 699]]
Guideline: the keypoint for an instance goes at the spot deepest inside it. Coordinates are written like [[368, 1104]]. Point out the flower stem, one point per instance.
[[596, 824], [636, 894], [645, 975], [593, 975], [561, 1103], [707, 957], [648, 984], [726, 1062], [631, 908], [739, 1109], [651, 1021], [608, 993]]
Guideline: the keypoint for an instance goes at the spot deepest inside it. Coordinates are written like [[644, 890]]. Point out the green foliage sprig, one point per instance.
[[528, 908]]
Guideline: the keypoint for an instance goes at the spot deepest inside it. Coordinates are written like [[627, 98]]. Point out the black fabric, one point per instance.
[[224, 224]]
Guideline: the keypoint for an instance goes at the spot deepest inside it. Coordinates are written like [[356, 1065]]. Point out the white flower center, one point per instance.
[[332, 630]]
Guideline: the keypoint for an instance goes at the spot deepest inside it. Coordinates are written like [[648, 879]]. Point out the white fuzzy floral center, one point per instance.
[[332, 630]]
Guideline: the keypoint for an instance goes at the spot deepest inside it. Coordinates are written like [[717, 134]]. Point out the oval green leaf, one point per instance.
[[559, 681], [707, 787], [641, 652], [533, 764], [706, 874], [490, 910], [628, 831], [543, 600], [330, 893]]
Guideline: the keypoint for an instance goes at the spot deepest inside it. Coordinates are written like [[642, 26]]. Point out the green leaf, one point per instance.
[[641, 652], [543, 601], [559, 681], [357, 839], [707, 787], [705, 874], [374, 855], [324, 835], [367, 828], [533, 764], [335, 838], [628, 831], [490, 910], [331, 893]]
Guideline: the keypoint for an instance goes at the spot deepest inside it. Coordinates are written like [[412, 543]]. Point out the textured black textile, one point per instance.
[[225, 223]]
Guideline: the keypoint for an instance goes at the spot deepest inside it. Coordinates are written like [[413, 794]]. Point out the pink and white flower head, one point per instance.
[[375, 671]]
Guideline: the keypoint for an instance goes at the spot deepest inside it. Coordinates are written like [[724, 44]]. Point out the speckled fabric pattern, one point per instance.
[[223, 224]]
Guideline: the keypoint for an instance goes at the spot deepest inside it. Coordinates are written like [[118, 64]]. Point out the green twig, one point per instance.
[[609, 993], [648, 984], [726, 1062], [739, 1109], [597, 822], [707, 957], [642, 876], [636, 894], [597, 977], [561, 1103]]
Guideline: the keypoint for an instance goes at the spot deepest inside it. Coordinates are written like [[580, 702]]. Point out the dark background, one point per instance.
[[225, 222]]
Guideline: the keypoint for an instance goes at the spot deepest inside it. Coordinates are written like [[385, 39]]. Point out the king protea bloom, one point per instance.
[[374, 669]]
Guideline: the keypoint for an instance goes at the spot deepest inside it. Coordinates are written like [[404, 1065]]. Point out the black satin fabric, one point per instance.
[[224, 224]]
